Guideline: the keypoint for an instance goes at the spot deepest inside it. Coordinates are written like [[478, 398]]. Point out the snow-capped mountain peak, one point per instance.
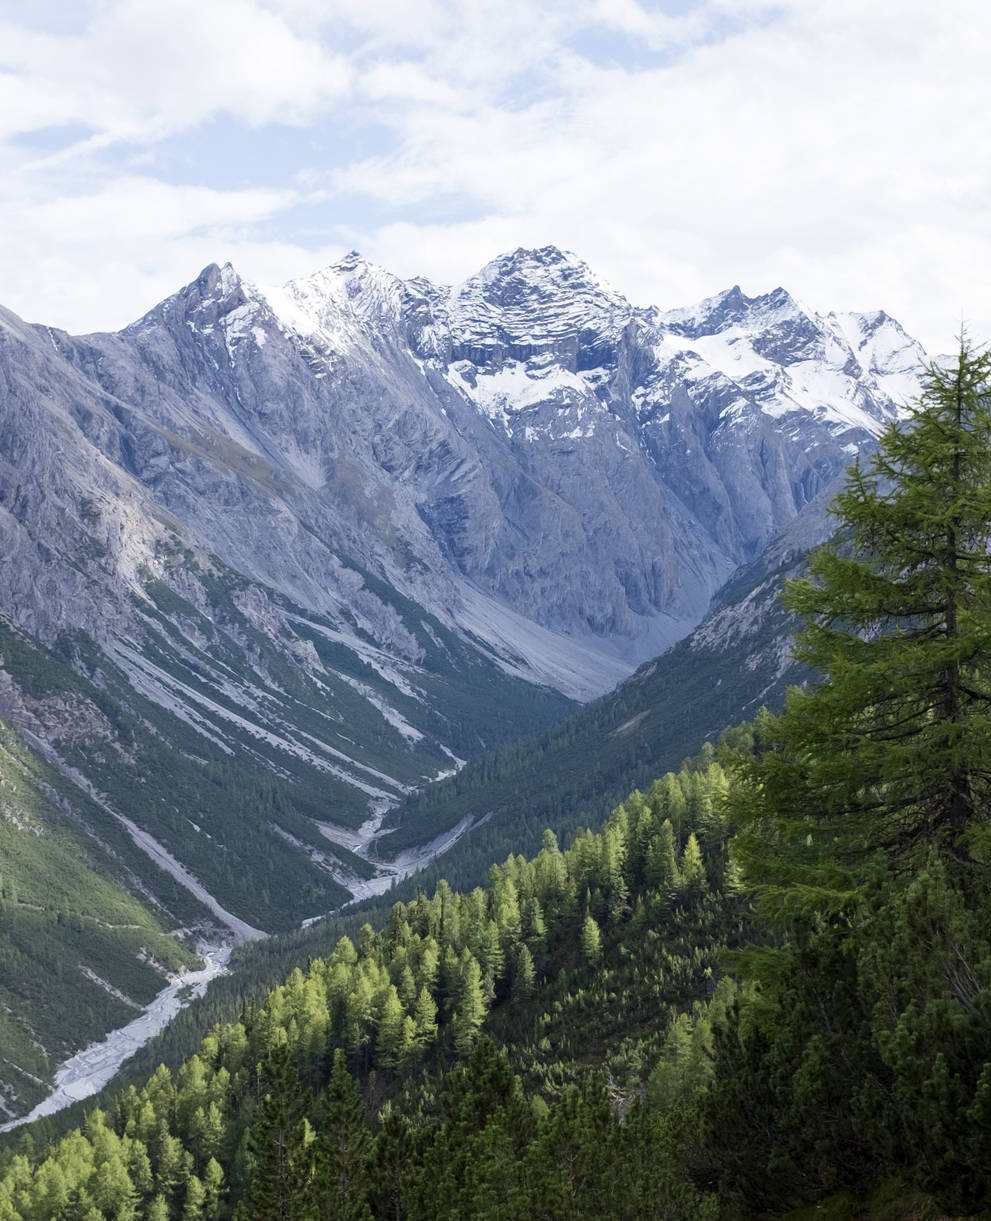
[[775, 311], [708, 316], [589, 462], [534, 299], [546, 272], [199, 304], [329, 305], [884, 350], [843, 370]]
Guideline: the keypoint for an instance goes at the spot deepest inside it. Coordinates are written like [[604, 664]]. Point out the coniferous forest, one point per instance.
[[762, 988]]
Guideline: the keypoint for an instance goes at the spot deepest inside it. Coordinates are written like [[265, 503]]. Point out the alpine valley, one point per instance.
[[301, 588]]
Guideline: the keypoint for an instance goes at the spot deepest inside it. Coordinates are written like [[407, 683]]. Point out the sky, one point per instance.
[[841, 148]]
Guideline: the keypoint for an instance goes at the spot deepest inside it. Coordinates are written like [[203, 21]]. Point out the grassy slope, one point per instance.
[[569, 776], [65, 916]]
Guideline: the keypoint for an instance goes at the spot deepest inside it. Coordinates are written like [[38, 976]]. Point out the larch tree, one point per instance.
[[889, 756], [472, 1007], [525, 975], [865, 833], [591, 941], [389, 1034]]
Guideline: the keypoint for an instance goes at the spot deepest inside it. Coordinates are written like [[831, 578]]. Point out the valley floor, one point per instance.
[[89, 1070], [409, 861]]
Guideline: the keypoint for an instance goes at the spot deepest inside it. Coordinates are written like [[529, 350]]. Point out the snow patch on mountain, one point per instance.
[[562, 449], [885, 350], [847, 370], [504, 393]]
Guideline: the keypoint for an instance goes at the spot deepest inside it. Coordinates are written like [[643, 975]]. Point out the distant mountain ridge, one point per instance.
[[366, 498], [601, 468], [273, 559]]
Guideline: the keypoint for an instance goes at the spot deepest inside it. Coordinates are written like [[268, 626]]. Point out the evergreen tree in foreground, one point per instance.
[[891, 753], [863, 1050]]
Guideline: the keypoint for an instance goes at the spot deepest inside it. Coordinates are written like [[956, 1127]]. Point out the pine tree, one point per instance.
[[425, 1016], [469, 1166], [449, 980], [591, 942], [662, 863], [536, 925], [342, 1150], [389, 1040], [193, 1205], [491, 957], [210, 1131], [409, 1044], [551, 870], [525, 976], [171, 1164], [359, 1015], [158, 1210], [666, 799], [274, 1141], [863, 1052], [891, 753], [429, 966], [406, 986], [508, 917], [390, 1159], [113, 1191], [692, 868], [471, 1008], [213, 1188]]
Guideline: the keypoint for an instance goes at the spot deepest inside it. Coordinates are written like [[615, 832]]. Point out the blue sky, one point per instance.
[[837, 148]]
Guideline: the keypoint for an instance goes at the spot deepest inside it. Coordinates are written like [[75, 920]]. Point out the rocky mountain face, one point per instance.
[[356, 529], [273, 559], [598, 468], [573, 774], [670, 446], [376, 487], [556, 445]]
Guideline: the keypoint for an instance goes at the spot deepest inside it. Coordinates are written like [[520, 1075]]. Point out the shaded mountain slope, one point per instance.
[[571, 775]]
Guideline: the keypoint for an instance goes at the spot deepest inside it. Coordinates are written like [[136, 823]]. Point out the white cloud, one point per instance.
[[404, 81], [97, 261], [140, 209], [836, 147], [144, 68], [658, 31]]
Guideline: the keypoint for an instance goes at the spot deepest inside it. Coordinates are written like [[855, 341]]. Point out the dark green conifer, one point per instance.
[[891, 752], [866, 826], [341, 1152], [275, 1141]]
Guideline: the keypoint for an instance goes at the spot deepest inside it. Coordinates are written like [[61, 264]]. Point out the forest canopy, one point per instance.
[[764, 985]]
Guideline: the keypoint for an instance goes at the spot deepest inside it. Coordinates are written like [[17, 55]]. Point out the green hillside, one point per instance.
[[82, 940], [574, 961], [596, 1033], [78, 953], [762, 989], [573, 774]]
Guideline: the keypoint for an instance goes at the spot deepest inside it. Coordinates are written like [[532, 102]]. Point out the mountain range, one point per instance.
[[274, 560]]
